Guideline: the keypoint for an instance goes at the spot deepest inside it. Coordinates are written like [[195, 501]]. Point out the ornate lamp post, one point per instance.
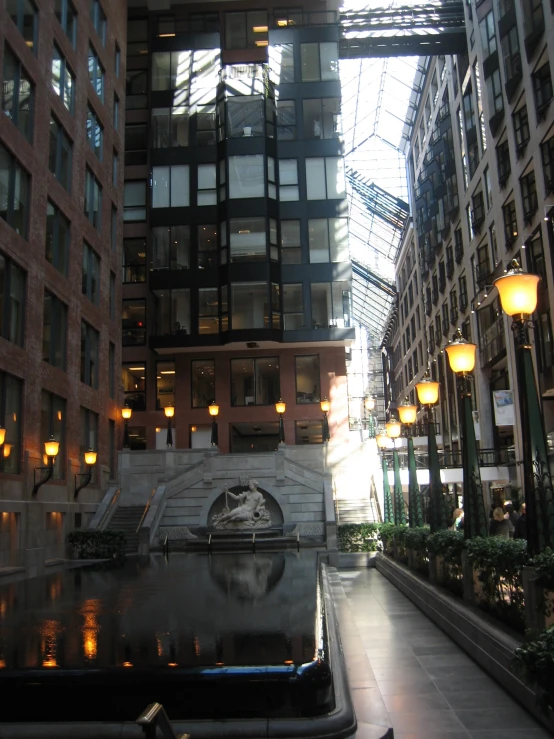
[[394, 429], [126, 414], [281, 407], [369, 404], [213, 408], [325, 406], [90, 461], [518, 296], [428, 394], [408, 414], [51, 449], [169, 411], [461, 357], [383, 442]]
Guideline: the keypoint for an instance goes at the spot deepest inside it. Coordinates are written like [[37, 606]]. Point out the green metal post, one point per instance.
[[414, 498], [437, 508], [388, 512], [475, 517], [399, 512]]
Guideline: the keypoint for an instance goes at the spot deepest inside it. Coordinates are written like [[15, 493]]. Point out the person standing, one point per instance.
[[520, 528]]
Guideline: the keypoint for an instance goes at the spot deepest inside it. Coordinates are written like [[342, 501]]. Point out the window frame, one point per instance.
[[16, 173], [59, 312], [63, 143], [89, 363], [91, 264], [20, 76], [61, 263], [7, 309]]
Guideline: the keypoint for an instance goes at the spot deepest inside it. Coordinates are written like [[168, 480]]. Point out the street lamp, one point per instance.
[[90, 461], [518, 297], [213, 408], [325, 406], [51, 449], [169, 411], [428, 394], [281, 407], [408, 414], [126, 413], [394, 429], [369, 404], [461, 357], [383, 443]]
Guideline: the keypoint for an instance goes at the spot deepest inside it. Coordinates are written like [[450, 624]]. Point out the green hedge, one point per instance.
[[534, 663], [448, 545], [358, 537], [85, 544]]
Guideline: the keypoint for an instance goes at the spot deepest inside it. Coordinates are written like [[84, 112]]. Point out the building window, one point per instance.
[[136, 144], [533, 17], [133, 379], [136, 84], [25, 16], [293, 307], [207, 247], [98, 18], [172, 316], [494, 93], [171, 247], [91, 274], [12, 301], [89, 438], [488, 38], [205, 125], [328, 240], [203, 382], [172, 70], [93, 199], [286, 120], [133, 322], [89, 355], [170, 127], [165, 384], [503, 162], [511, 54], [521, 130], [307, 378], [542, 85], [112, 295], [11, 397], [246, 176], [96, 73], [477, 211], [246, 30], [330, 304], [547, 153], [134, 260], [170, 186], [321, 118], [255, 381], [18, 94], [54, 331], [117, 60], [57, 238], [52, 423], [207, 185], [529, 195], [115, 168], [14, 192], [245, 116], [63, 79], [291, 247], [115, 113], [462, 282], [510, 221], [113, 228], [249, 305], [60, 155], [67, 18], [281, 62], [95, 133], [325, 178], [208, 311], [288, 179], [134, 201], [319, 61]]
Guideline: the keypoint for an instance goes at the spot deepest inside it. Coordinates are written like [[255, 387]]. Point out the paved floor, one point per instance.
[[406, 673]]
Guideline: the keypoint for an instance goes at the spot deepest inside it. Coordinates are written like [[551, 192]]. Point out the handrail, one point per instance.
[[146, 507], [153, 716], [105, 509]]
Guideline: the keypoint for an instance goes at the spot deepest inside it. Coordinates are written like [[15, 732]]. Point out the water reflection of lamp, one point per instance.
[[169, 411], [51, 447], [281, 407], [126, 414], [213, 409], [90, 611]]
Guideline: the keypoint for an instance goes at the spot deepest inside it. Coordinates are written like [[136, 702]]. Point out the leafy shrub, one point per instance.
[[416, 539], [358, 537], [544, 569], [106, 544], [534, 663], [390, 531], [499, 563], [448, 545]]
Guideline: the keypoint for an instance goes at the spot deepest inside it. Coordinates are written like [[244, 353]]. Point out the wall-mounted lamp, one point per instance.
[[213, 408], [51, 448], [169, 411], [90, 461]]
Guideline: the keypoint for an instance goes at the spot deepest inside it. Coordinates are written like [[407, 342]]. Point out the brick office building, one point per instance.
[[61, 184]]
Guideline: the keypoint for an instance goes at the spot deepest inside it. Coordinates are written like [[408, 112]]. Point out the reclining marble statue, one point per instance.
[[250, 512]]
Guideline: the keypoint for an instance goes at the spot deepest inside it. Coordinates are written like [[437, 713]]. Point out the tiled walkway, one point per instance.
[[406, 673]]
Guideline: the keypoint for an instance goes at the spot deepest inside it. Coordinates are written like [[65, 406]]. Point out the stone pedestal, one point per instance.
[[34, 561]]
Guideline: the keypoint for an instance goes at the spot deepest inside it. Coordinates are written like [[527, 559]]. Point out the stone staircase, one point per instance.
[[356, 511], [127, 519]]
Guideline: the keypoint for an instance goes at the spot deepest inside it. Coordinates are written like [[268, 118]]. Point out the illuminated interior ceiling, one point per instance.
[[380, 97]]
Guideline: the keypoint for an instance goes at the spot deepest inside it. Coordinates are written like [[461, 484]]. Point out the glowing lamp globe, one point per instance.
[[383, 441], [407, 413], [280, 406], [126, 412], [427, 392], [51, 447], [90, 457], [325, 405], [518, 292], [213, 408], [461, 355], [369, 404], [169, 411], [394, 428], [7, 450], [2, 435]]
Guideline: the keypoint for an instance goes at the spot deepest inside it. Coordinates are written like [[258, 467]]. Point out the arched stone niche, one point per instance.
[[270, 503]]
